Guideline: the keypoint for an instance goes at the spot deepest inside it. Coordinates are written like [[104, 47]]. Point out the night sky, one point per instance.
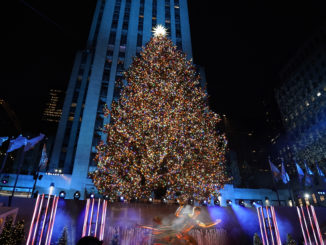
[[243, 46]]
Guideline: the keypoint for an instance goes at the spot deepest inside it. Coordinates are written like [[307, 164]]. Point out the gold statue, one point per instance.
[[177, 233]]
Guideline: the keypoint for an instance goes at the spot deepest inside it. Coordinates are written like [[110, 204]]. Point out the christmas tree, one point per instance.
[[63, 238], [257, 240], [18, 232], [6, 234], [162, 134], [12, 234], [290, 240]]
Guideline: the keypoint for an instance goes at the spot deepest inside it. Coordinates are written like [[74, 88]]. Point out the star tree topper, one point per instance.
[[159, 30]]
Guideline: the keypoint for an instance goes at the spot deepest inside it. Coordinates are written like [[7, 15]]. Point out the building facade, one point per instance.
[[119, 30], [302, 103]]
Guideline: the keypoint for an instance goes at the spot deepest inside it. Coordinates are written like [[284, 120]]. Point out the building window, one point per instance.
[[154, 13], [112, 37]]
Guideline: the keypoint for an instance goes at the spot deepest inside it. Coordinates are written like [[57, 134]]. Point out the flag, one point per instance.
[[3, 139], [320, 173], [276, 173], [32, 142], [308, 180], [285, 176], [300, 172], [44, 158], [15, 144], [308, 170]]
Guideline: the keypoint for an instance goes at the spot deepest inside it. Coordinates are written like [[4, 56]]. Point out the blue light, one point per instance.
[[62, 194], [77, 195]]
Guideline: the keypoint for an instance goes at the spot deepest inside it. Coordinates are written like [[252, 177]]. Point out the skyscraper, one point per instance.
[[119, 30], [302, 103]]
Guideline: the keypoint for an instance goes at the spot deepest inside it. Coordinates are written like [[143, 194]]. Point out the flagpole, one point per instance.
[[291, 193], [17, 175], [38, 169], [37, 174], [4, 162], [278, 196]]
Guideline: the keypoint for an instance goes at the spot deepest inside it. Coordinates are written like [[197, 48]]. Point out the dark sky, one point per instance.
[[242, 44]]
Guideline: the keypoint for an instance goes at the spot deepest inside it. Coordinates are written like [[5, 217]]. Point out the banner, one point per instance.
[[300, 172], [276, 173], [32, 142], [17, 143], [44, 158], [3, 139], [285, 176]]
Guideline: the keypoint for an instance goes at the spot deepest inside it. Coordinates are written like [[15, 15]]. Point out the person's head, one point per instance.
[[196, 211], [89, 240]]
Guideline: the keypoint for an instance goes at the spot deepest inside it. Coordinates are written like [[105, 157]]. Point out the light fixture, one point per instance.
[[5, 179], [228, 202], [306, 195], [150, 199], [267, 200], [318, 94], [217, 202], [77, 195], [51, 188], [219, 197], [121, 198], [92, 195], [62, 194]]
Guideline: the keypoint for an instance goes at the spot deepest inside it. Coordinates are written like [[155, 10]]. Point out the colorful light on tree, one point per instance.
[[162, 135]]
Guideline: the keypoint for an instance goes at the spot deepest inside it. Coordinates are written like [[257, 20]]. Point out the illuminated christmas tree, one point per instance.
[[162, 135]]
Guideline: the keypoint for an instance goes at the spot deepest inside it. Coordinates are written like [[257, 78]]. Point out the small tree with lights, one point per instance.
[[162, 134], [12, 234]]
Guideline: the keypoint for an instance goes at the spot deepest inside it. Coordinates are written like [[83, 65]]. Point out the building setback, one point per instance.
[[119, 30]]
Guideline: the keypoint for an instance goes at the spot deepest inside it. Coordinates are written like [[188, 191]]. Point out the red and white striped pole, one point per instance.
[[33, 218], [260, 226]]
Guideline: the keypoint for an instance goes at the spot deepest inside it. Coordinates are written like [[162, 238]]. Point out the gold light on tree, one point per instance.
[[162, 134]]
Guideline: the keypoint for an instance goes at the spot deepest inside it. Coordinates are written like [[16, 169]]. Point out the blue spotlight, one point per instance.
[[217, 202], [62, 194], [121, 199], [77, 195], [242, 203]]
